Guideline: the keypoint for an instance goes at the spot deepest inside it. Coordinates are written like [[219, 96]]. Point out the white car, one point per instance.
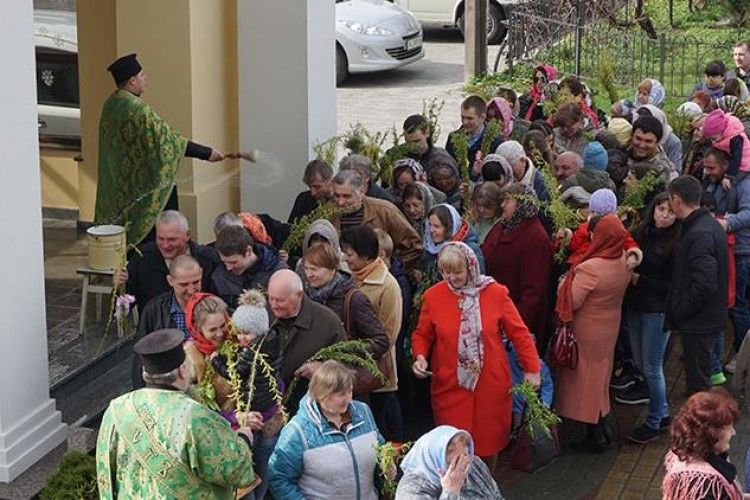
[[374, 35], [56, 44], [450, 13]]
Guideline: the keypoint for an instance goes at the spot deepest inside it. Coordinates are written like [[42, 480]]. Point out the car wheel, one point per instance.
[[342, 65], [496, 30]]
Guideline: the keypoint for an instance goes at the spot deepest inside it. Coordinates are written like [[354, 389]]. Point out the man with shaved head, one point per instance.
[[304, 327], [168, 309]]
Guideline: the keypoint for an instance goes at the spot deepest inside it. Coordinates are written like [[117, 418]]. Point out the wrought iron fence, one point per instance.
[[576, 44]]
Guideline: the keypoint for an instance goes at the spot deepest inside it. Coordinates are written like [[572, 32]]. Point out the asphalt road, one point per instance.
[[382, 100]]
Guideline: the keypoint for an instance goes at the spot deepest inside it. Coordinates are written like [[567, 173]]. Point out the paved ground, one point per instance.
[[381, 100]]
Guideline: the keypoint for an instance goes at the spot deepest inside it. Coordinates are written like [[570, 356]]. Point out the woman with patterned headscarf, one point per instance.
[[518, 254], [459, 336], [407, 171]]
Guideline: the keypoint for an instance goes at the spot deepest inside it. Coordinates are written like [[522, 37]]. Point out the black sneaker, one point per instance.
[[643, 434], [622, 381], [635, 395]]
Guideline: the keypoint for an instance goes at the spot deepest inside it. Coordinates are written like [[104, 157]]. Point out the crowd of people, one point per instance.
[[441, 280]]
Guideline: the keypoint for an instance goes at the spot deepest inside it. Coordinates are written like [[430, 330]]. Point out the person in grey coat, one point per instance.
[[442, 466]]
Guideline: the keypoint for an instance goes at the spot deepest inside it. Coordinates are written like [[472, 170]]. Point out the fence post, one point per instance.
[[579, 29], [510, 36], [662, 54]]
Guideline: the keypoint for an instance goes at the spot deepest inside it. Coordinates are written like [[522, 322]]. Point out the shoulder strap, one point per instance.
[[346, 312]]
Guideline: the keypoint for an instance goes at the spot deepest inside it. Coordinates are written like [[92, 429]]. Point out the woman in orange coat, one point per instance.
[[591, 298], [460, 331]]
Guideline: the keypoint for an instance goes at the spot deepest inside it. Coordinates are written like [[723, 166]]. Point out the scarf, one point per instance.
[[323, 293], [428, 200], [441, 159], [507, 169], [325, 229], [659, 115], [526, 209], [255, 227], [417, 171], [607, 243], [456, 225], [470, 357], [202, 343], [655, 97], [427, 456], [505, 114], [360, 276]]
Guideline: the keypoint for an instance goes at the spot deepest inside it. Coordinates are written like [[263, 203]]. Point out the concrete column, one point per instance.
[[30, 426], [287, 95], [475, 41]]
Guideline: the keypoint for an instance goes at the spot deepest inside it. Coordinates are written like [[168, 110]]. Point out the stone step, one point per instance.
[[84, 393]]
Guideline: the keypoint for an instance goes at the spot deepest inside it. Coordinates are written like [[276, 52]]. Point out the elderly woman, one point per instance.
[[460, 329], [371, 274], [518, 254], [322, 231], [407, 171], [696, 463], [443, 174], [417, 200], [327, 450], [445, 224], [590, 297], [327, 285], [442, 465], [485, 207]]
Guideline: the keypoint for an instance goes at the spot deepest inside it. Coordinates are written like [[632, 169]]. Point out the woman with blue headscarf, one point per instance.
[[442, 225], [442, 465]]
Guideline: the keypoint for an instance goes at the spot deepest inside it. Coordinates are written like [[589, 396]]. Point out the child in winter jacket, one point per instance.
[[728, 134]]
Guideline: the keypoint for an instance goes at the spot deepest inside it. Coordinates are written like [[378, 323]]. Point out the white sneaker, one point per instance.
[[731, 367]]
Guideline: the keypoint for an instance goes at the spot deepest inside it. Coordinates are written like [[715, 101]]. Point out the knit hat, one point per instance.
[[595, 156], [622, 130], [602, 202], [715, 123], [251, 316]]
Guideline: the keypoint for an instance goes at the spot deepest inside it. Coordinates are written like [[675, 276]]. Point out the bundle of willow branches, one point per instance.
[[327, 211]]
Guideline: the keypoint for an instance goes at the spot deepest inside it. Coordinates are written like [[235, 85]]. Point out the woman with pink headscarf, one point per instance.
[[499, 109], [531, 108]]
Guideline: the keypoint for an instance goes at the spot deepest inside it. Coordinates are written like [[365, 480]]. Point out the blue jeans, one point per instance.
[[717, 354], [741, 310], [262, 450], [648, 341]]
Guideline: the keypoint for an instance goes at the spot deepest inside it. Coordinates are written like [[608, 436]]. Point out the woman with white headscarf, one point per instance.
[[441, 465]]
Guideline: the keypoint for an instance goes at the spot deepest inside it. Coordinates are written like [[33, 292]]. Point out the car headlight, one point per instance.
[[364, 29]]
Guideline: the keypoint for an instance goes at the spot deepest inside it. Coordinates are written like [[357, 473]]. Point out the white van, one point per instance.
[[450, 13], [56, 42]]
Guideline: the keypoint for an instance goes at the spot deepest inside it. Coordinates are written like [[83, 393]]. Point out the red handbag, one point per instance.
[[563, 349]]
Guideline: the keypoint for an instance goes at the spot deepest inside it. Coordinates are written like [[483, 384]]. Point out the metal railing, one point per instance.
[[576, 44]]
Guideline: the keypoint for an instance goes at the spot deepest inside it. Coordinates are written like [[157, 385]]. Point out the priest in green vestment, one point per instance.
[[139, 156], [158, 443]]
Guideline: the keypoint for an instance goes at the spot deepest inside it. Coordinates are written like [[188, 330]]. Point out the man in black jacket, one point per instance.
[[247, 264], [473, 117], [146, 274], [317, 177], [697, 299], [168, 309]]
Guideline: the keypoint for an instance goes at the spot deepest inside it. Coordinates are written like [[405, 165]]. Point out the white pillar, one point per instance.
[[287, 95], [30, 426]]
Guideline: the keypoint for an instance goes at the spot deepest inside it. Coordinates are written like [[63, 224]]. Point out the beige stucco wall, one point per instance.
[[59, 173]]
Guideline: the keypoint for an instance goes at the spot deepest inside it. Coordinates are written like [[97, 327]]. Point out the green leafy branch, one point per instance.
[[349, 352], [538, 415], [327, 211], [389, 455]]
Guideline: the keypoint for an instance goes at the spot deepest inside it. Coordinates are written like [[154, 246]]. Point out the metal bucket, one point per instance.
[[104, 244]]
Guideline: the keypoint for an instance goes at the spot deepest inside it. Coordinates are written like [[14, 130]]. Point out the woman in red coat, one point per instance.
[[460, 331], [518, 254]]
